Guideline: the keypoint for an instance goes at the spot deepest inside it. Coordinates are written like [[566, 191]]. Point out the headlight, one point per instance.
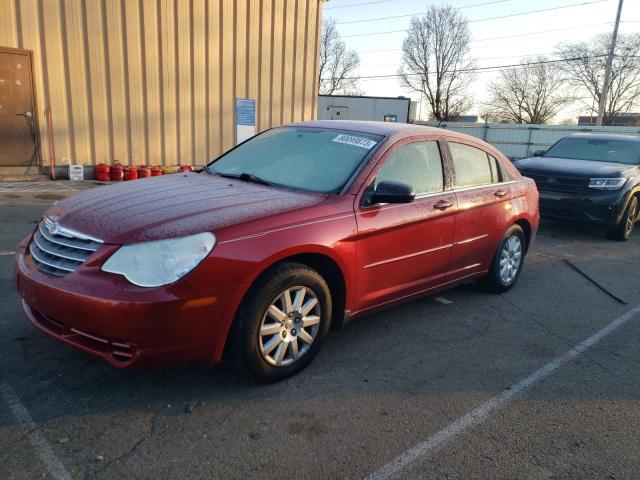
[[607, 183], [152, 264]]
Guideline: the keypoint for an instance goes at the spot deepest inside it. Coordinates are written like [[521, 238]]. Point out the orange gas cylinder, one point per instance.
[[117, 172], [144, 171], [185, 168], [102, 171], [156, 171], [130, 173]]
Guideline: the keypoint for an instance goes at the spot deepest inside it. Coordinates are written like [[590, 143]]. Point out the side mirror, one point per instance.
[[390, 191], [539, 153]]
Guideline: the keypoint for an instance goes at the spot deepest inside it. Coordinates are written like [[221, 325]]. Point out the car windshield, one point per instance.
[[310, 159], [600, 150]]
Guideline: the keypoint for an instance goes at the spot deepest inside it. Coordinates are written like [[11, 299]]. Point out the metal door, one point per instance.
[[404, 249], [17, 119]]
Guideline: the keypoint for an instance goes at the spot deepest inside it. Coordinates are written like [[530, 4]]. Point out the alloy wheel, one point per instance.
[[289, 326], [510, 259]]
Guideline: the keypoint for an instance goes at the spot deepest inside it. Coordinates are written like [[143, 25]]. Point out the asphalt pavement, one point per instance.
[[460, 385]]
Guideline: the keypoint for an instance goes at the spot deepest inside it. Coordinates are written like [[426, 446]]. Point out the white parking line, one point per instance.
[[6, 253], [40, 444], [477, 415], [443, 300]]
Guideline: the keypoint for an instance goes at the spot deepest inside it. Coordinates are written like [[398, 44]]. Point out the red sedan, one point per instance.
[[294, 231]]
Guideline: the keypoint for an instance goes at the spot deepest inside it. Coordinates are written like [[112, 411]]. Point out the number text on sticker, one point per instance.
[[357, 141]]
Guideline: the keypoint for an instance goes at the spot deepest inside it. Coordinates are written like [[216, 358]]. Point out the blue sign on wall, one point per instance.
[[245, 111]]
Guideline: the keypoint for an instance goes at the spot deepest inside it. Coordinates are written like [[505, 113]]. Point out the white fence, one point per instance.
[[520, 141]]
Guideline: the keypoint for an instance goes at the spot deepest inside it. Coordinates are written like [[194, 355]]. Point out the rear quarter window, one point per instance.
[[498, 171]]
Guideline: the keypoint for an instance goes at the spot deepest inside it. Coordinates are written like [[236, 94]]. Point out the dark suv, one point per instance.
[[589, 177]]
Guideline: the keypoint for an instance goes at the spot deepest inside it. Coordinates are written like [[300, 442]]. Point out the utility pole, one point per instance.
[[607, 72]]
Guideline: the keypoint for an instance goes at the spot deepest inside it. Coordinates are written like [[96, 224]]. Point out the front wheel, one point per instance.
[[624, 229], [507, 263], [281, 324]]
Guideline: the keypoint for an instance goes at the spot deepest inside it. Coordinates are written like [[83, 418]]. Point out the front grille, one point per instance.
[[560, 184], [58, 250]]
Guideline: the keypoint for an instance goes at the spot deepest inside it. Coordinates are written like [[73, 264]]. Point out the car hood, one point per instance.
[[571, 167], [172, 206]]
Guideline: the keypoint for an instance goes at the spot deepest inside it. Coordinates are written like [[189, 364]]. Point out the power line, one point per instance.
[[420, 13], [549, 31], [537, 11], [478, 69], [545, 54], [477, 20], [542, 31], [514, 35], [388, 1], [358, 4], [374, 33]]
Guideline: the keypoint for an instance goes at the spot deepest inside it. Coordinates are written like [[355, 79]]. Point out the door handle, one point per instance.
[[500, 193], [442, 205], [25, 114]]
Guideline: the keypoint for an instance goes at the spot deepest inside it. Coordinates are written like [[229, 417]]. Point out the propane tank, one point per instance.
[[130, 173], [117, 172], [185, 168], [171, 169], [102, 171], [144, 171], [156, 171]]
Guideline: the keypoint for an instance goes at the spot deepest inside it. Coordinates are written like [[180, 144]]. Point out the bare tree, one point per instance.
[[585, 64], [435, 61], [338, 64], [533, 93]]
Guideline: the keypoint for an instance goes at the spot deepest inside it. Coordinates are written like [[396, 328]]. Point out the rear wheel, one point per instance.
[[623, 230], [281, 324], [507, 263]]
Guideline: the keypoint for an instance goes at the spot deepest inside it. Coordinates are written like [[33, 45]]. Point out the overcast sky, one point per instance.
[[380, 53]]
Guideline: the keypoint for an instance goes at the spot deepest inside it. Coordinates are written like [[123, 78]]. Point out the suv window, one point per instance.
[[471, 165], [419, 164]]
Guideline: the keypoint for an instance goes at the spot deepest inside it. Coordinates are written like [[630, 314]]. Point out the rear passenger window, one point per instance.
[[471, 165], [495, 169], [417, 164]]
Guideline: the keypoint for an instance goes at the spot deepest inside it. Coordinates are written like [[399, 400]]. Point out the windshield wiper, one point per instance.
[[246, 177]]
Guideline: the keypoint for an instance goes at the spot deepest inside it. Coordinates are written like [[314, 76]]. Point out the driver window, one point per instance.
[[417, 164]]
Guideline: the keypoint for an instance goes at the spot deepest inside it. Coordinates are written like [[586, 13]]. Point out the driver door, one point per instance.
[[404, 249]]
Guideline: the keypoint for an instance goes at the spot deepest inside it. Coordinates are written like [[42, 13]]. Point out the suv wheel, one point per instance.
[[624, 229], [507, 262], [281, 324]]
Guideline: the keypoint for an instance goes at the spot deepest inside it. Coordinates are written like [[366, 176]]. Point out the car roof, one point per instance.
[[373, 128], [607, 136]]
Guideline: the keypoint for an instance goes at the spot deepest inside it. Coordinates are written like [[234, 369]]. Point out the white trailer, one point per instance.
[[382, 109]]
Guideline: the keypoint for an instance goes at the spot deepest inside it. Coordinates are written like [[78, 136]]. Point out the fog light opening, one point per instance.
[[122, 352]]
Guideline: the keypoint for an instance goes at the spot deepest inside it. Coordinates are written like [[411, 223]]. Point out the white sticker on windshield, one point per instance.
[[357, 141]]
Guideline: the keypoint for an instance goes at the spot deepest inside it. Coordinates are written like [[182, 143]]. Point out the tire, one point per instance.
[[269, 342], [623, 230], [507, 262]]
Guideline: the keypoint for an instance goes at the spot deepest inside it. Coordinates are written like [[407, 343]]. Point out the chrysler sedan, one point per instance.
[[257, 256]]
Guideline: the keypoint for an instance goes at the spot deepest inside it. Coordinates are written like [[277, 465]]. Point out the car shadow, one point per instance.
[[574, 230]]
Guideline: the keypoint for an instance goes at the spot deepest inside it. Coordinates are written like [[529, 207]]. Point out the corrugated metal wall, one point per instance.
[[518, 141], [155, 81]]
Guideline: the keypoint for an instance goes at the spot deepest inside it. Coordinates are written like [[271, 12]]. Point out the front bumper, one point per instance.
[[600, 207], [105, 316]]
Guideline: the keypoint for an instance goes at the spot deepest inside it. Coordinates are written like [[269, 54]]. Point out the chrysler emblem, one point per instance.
[[54, 227]]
